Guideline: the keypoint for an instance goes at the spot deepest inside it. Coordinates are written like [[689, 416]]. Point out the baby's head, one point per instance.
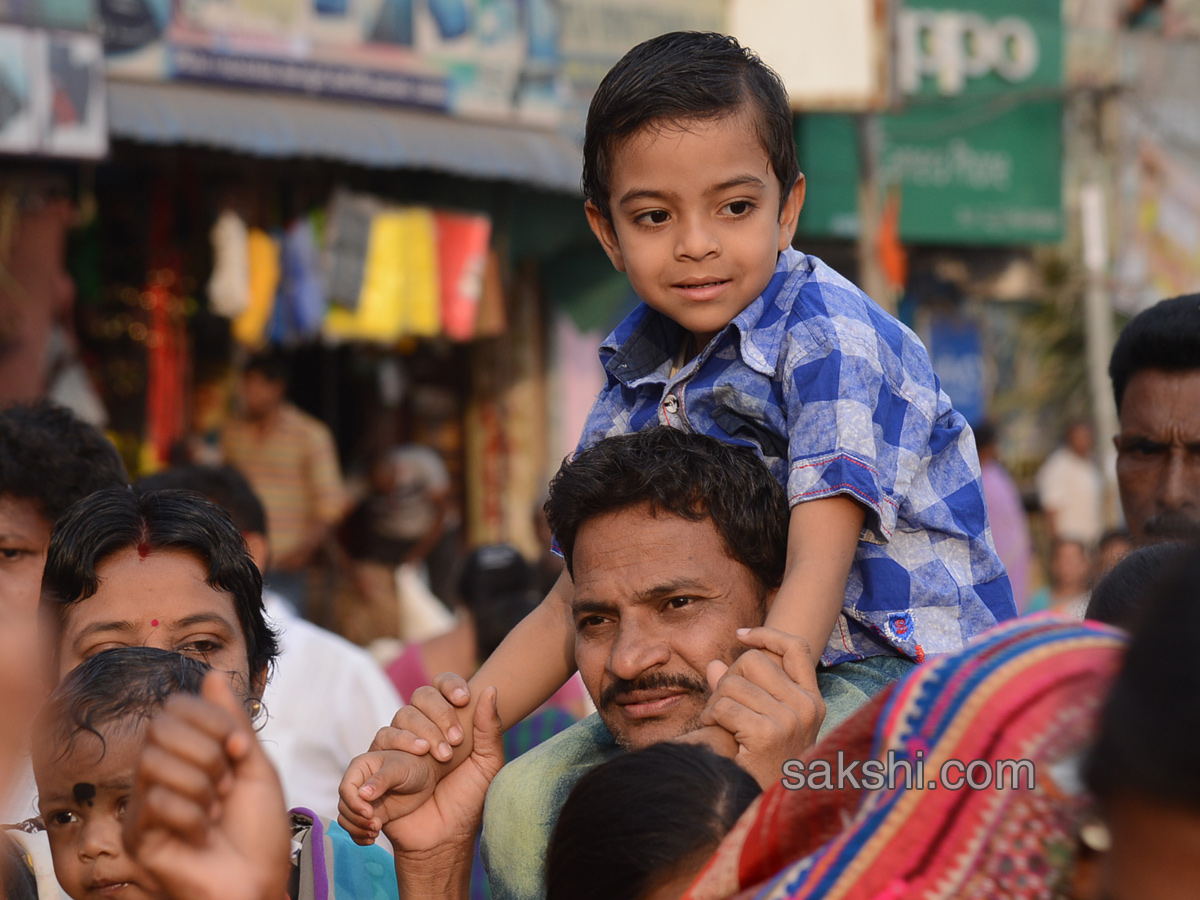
[[690, 175], [86, 745]]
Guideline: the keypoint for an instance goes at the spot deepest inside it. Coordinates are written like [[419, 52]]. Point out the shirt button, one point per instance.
[[671, 404]]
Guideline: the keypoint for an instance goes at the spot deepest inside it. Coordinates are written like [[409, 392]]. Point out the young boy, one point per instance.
[[86, 746], [693, 189]]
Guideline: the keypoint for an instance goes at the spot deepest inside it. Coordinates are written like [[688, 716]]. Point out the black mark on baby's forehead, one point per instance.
[[85, 792]]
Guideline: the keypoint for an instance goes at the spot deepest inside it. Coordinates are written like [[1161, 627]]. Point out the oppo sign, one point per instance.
[[956, 46]]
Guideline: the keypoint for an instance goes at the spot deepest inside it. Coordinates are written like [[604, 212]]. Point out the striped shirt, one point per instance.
[[293, 468]]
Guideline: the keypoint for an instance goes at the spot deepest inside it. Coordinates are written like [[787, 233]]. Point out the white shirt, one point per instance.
[[1073, 489], [324, 703]]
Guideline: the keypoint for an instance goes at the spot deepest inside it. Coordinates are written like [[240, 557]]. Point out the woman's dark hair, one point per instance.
[[1148, 729], [681, 76], [118, 688], [636, 821], [1166, 336], [1120, 597], [49, 456], [683, 474], [110, 521]]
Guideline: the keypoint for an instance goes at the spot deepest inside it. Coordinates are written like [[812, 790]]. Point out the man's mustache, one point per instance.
[[1172, 525], [652, 682]]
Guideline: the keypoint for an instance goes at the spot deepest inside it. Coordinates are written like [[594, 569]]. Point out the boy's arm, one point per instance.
[[395, 776], [822, 540]]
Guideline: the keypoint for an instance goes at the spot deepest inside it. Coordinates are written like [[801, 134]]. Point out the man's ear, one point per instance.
[[603, 229], [789, 216]]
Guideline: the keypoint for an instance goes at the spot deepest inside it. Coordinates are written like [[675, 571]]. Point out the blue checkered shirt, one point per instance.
[[837, 397]]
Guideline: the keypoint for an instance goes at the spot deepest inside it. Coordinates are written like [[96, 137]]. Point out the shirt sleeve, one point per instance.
[[326, 478], [850, 429]]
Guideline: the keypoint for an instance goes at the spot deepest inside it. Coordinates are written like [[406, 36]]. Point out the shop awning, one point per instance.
[[282, 125]]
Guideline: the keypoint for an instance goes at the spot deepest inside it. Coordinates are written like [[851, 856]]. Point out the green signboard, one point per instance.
[[976, 158]]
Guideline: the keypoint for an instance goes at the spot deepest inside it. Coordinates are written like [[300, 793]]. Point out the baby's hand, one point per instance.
[[397, 774]]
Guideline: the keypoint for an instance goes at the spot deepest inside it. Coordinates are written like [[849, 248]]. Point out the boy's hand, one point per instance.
[[398, 774], [768, 701], [207, 816]]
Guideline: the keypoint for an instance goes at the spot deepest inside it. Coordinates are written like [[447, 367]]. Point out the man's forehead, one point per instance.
[[1157, 401]]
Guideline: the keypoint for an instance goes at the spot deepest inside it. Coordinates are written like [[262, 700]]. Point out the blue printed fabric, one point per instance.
[[837, 397]]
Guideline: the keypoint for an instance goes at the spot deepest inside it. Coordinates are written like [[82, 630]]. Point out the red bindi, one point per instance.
[[154, 622], [143, 549]]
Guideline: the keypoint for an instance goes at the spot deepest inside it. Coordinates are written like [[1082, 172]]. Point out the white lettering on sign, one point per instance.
[[955, 163], [952, 47]]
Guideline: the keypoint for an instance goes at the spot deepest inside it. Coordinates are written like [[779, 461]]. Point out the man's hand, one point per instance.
[[435, 845], [207, 816], [399, 772], [773, 709]]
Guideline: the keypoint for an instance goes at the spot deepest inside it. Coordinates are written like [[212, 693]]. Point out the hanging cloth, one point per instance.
[[263, 254], [462, 260]]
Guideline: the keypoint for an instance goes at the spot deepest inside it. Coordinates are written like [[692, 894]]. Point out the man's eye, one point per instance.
[[589, 622], [13, 554], [679, 602]]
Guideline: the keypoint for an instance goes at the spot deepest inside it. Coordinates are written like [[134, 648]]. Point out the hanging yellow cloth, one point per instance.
[[263, 256], [400, 290]]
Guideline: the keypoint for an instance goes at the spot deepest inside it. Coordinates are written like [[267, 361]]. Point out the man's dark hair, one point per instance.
[[1121, 596], [223, 485], [632, 824], [270, 364], [120, 689], [110, 521], [53, 458], [689, 475], [1166, 336], [680, 77], [1147, 741]]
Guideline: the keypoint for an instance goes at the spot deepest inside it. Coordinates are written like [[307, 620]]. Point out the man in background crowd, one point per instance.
[[291, 462], [49, 459], [1071, 489], [1155, 371], [1006, 514]]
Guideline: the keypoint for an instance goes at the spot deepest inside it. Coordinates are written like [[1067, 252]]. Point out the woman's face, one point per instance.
[[161, 600]]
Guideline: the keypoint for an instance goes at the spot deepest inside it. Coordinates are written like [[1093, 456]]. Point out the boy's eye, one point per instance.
[[61, 817], [13, 554], [654, 217], [739, 207]]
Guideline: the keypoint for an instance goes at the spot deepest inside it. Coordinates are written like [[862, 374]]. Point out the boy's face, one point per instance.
[[82, 797], [696, 221]]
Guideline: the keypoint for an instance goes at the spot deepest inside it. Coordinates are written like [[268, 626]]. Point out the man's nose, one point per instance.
[[696, 239], [636, 650]]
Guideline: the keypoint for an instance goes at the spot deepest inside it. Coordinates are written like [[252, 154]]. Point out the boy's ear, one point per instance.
[[603, 229], [789, 217]]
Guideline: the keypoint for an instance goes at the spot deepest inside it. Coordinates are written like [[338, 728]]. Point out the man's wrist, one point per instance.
[[443, 873]]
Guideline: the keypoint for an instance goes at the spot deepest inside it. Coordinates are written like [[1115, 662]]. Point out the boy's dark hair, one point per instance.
[[270, 364], [682, 76], [1166, 336], [53, 458], [1120, 597], [630, 824], [110, 521], [1147, 740], [121, 687], [689, 475], [223, 485]]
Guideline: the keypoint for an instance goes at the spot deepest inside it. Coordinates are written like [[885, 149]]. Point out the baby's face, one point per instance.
[[82, 797], [696, 220]]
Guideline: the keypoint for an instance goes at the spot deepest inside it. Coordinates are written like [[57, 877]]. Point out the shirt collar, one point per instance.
[[642, 347]]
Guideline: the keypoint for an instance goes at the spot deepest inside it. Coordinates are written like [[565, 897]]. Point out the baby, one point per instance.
[[87, 741]]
